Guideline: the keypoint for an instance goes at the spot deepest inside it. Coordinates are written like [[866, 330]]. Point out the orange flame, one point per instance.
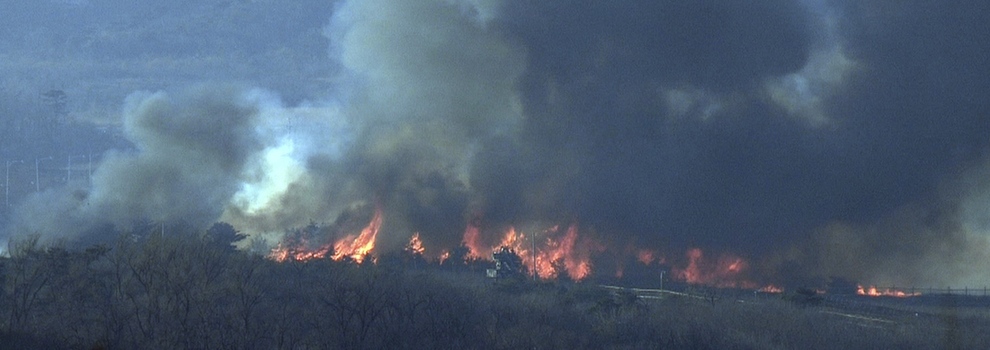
[[279, 253], [283, 252], [415, 245], [646, 256], [354, 246], [556, 254], [513, 239], [873, 291], [358, 246], [472, 239], [575, 262]]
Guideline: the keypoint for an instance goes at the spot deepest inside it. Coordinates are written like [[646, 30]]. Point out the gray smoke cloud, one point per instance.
[[912, 132], [433, 83], [424, 84], [191, 153], [814, 138], [191, 150]]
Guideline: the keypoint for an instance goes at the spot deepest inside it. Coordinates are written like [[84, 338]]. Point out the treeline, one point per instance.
[[193, 291]]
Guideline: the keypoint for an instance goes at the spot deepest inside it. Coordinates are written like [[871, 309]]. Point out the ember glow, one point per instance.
[[873, 291], [771, 289], [415, 245], [725, 272], [647, 256]]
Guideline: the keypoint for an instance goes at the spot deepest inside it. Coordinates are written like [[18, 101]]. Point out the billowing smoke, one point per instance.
[[432, 84], [191, 152], [814, 138], [425, 84]]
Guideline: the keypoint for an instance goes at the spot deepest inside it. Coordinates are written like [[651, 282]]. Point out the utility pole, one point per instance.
[[6, 183], [37, 172], [68, 169], [534, 257]]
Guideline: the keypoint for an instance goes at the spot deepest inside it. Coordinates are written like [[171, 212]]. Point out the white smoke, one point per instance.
[[974, 218]]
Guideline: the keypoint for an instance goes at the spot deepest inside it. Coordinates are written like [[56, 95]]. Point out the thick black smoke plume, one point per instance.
[[814, 138]]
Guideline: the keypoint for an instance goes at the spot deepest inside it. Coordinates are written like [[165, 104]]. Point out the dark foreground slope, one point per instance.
[[193, 291]]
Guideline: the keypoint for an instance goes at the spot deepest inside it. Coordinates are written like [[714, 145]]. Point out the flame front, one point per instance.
[[357, 247], [555, 254], [297, 252], [354, 246], [547, 254], [873, 291], [726, 272]]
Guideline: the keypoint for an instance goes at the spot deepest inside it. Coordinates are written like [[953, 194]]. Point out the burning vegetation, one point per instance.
[[724, 272], [557, 253], [549, 253], [554, 252], [873, 291], [355, 246]]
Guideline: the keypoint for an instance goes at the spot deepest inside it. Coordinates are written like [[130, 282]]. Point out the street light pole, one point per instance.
[[661, 279], [535, 268], [37, 173], [68, 170], [89, 167], [6, 183]]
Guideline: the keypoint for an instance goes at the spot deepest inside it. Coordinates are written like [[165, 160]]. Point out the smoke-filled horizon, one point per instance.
[[813, 138]]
